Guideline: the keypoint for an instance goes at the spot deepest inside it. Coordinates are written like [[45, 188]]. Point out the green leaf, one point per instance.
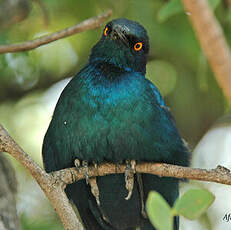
[[174, 7], [159, 212], [193, 203]]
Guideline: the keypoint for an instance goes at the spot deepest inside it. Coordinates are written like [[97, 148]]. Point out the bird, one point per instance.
[[110, 112]]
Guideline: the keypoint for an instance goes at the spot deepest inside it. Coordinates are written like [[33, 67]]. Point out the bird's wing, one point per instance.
[[56, 144], [161, 102], [168, 132]]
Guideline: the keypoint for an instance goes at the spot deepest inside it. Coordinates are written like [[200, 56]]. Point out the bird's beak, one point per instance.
[[117, 34]]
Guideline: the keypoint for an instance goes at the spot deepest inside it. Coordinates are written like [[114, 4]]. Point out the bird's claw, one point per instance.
[[77, 164], [84, 164], [85, 168], [118, 164], [91, 181], [94, 186], [141, 190], [95, 164], [129, 177], [94, 189]]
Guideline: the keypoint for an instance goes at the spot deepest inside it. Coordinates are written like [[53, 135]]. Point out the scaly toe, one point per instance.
[[77, 164], [85, 168], [94, 189], [129, 177]]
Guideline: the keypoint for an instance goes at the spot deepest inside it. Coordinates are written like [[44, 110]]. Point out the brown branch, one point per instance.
[[53, 184], [53, 189], [88, 24], [219, 175], [212, 40], [8, 191]]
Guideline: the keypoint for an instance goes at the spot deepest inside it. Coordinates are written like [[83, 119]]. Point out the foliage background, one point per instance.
[[30, 82]]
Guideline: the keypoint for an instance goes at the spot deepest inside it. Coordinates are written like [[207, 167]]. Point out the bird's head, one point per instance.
[[125, 44]]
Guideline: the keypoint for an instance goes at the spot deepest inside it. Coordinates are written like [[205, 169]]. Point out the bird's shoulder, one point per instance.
[[160, 100]]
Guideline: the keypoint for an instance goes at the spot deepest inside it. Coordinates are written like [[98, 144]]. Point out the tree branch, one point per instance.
[[53, 184], [54, 189], [212, 40], [219, 175], [8, 190], [88, 24]]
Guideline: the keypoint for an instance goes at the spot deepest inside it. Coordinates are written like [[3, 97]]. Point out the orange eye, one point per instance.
[[105, 32], [138, 46]]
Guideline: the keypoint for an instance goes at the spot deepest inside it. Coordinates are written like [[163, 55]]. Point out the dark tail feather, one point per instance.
[[78, 193]]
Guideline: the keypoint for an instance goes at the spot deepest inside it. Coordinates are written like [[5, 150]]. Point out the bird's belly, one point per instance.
[[112, 141], [113, 133]]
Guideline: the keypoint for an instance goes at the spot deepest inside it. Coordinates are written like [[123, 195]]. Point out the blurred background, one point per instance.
[[31, 82]]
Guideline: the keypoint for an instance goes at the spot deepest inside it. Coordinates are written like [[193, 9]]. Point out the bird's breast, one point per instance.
[[112, 122]]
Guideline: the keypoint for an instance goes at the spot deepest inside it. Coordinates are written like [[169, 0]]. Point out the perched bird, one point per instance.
[[109, 112]]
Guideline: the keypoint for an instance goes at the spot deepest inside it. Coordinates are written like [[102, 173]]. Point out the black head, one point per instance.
[[125, 44]]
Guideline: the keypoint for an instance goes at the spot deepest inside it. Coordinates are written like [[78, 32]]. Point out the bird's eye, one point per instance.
[[138, 46], [105, 32]]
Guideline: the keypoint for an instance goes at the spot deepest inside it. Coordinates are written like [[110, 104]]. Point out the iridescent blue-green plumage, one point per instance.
[[110, 112]]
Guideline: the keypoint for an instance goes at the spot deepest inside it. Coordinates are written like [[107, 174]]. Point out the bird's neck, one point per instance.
[[109, 69], [110, 63]]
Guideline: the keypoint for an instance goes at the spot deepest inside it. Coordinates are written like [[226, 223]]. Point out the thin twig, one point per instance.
[[88, 24], [212, 40]]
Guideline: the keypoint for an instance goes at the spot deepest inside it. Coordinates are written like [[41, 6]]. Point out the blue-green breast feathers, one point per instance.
[[101, 118]]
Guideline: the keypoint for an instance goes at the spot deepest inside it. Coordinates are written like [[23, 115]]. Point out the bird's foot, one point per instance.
[[94, 186], [118, 164], [84, 164], [129, 177], [95, 164], [141, 190], [85, 169], [77, 164], [94, 189], [91, 181]]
